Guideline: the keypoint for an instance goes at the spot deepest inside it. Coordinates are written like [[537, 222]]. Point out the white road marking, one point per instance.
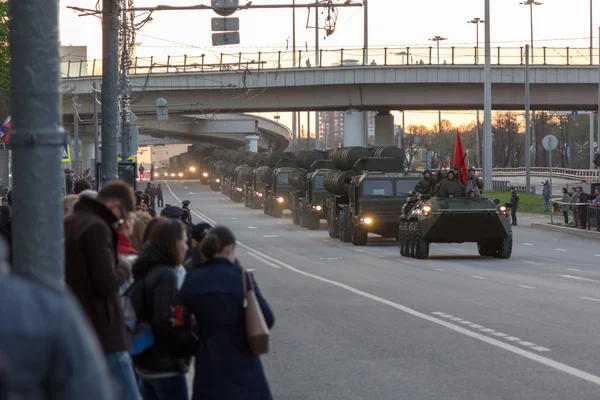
[[252, 227], [541, 348], [499, 334], [359, 250], [579, 278], [512, 338], [192, 193], [464, 331], [526, 287], [532, 263], [597, 255], [455, 319], [561, 249], [234, 218], [573, 269], [527, 244], [271, 236], [251, 270], [270, 264], [478, 277], [474, 326], [487, 330], [523, 343], [440, 270], [438, 313], [590, 298], [466, 322]]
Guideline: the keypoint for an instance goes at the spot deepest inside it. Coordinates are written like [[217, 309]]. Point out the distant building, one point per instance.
[[331, 127]]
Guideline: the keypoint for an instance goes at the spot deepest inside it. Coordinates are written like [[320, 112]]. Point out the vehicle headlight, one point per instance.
[[156, 174], [218, 180], [172, 173], [192, 169], [502, 209], [205, 174], [318, 208], [259, 194], [280, 199], [239, 189], [426, 210], [166, 174], [367, 220], [180, 174]]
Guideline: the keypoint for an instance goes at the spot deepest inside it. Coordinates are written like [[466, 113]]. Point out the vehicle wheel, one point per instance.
[[504, 249], [343, 228], [421, 245], [483, 249], [313, 222], [359, 236], [246, 202], [266, 207], [295, 216], [401, 238], [334, 228], [411, 241]]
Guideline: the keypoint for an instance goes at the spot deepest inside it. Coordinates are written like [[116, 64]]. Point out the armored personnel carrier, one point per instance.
[[456, 220]]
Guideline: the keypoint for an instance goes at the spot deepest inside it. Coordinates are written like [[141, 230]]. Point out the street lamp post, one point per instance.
[[476, 22], [591, 33], [531, 3], [438, 39]]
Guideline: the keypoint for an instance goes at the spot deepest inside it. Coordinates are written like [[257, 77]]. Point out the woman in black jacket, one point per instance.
[[225, 367], [162, 367]]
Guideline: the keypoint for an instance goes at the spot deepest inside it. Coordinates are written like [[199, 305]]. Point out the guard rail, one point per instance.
[[588, 175]]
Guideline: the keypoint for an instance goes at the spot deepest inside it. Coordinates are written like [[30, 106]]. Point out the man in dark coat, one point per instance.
[[449, 187], [94, 273], [426, 184], [514, 199], [159, 196], [150, 191]]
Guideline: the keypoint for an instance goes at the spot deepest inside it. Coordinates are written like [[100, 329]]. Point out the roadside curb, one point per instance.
[[569, 231]]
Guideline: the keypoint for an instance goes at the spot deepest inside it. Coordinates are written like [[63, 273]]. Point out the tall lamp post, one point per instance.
[[438, 39], [591, 33], [531, 3], [476, 22]]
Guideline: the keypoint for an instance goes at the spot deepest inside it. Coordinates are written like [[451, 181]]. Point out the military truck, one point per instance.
[[206, 169], [298, 181], [480, 220], [376, 197], [260, 178], [313, 207], [277, 197]]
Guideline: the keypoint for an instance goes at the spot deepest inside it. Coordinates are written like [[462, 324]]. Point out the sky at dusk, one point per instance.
[[393, 24]]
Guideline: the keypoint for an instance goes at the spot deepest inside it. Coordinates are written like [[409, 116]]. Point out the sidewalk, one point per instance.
[[542, 222]]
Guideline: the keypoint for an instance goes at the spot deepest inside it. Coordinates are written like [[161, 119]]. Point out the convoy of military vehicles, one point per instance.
[[356, 191]]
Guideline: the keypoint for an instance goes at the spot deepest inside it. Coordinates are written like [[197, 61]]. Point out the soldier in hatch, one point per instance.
[[426, 184], [474, 183], [449, 187]]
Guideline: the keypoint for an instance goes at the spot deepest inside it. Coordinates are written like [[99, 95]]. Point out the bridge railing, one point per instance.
[[387, 56], [588, 175]]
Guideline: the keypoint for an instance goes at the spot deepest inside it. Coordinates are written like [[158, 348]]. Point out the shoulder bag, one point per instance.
[[257, 330]]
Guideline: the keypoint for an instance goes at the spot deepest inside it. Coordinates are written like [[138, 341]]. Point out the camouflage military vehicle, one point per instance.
[[313, 207], [278, 188], [261, 177], [456, 220], [376, 198]]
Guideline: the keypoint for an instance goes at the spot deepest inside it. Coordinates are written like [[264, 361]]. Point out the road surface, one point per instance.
[[365, 323]]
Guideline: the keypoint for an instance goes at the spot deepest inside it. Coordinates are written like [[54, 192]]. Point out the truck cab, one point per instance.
[[277, 196], [376, 200], [314, 207]]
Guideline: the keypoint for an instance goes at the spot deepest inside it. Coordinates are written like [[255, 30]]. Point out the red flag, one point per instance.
[[460, 160]]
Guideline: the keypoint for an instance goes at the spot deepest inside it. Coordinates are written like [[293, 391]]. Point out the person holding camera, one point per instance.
[[514, 199]]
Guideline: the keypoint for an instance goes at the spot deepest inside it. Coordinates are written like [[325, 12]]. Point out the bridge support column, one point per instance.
[[354, 131], [252, 143], [384, 129]]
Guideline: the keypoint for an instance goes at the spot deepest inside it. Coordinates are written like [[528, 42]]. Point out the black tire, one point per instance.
[[401, 238], [343, 228], [504, 247], [313, 222], [359, 236], [266, 207], [421, 245], [411, 240], [295, 216], [277, 212], [483, 249], [334, 228]]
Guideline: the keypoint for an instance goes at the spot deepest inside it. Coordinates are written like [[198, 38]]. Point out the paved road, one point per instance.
[[365, 323]]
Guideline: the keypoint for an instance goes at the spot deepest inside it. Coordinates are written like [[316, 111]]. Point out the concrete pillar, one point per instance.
[[252, 143], [354, 129], [384, 129], [87, 153]]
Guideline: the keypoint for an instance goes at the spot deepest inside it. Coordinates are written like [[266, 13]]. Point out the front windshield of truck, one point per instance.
[[282, 178], [404, 186], [319, 182], [378, 187]]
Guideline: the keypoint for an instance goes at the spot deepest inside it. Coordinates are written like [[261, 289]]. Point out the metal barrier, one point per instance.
[[589, 211], [505, 186], [349, 57], [567, 173]]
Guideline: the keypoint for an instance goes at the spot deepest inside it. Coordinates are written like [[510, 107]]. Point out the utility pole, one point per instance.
[[96, 132], [592, 140], [76, 136], [294, 114], [366, 33], [110, 89], [37, 140], [598, 141], [487, 114], [318, 64], [125, 89], [591, 33], [478, 139], [308, 130], [527, 123]]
